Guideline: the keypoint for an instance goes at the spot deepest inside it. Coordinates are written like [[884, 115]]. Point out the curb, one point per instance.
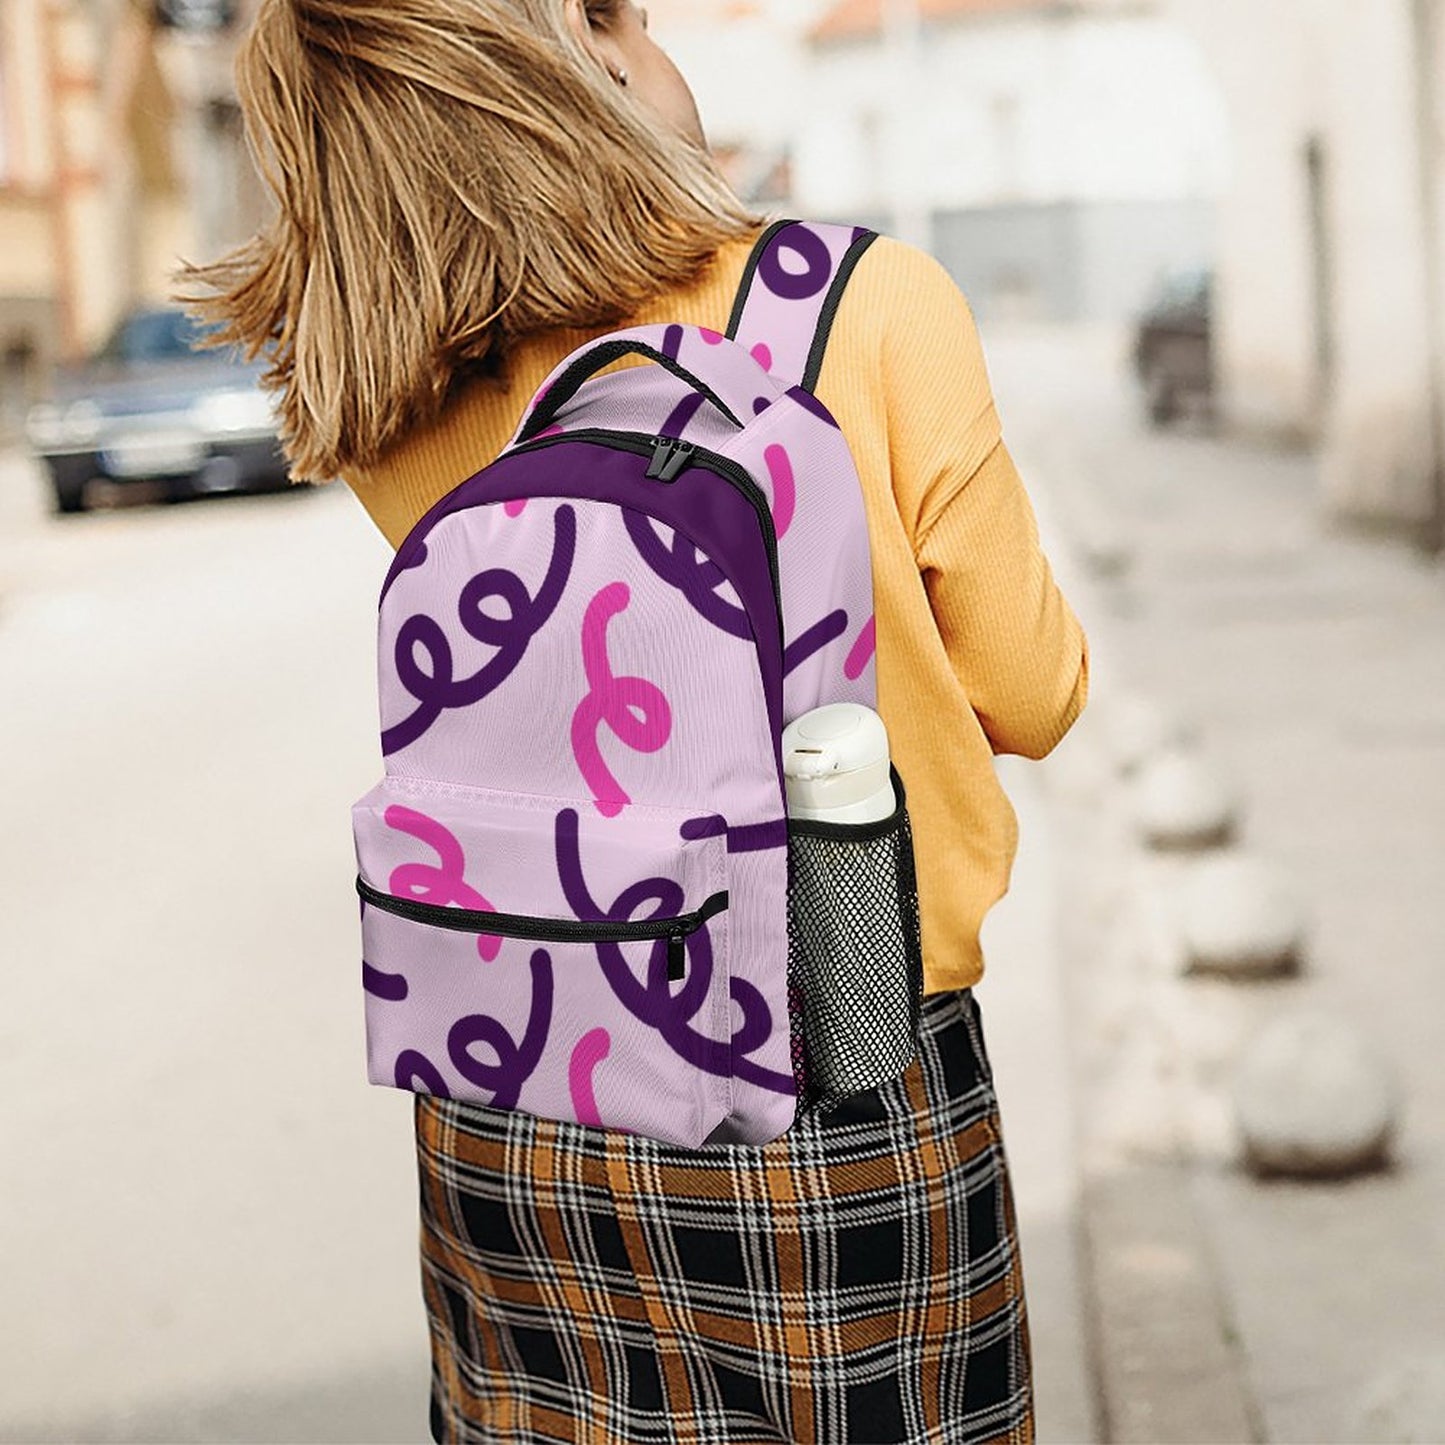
[[1164, 1353], [1166, 1358]]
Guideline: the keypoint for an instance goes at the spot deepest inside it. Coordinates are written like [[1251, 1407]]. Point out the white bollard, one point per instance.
[[1405, 1405], [1140, 728], [1239, 919], [1182, 805], [1313, 1099]]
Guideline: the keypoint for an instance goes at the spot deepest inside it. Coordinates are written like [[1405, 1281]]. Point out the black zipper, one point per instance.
[[553, 930], [672, 454]]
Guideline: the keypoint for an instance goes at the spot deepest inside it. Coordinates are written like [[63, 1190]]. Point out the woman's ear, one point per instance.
[[599, 50], [577, 22]]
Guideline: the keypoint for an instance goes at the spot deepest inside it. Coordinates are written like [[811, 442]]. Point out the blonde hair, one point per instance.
[[449, 175]]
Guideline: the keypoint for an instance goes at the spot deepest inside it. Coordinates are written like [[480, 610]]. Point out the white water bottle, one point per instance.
[[836, 765], [837, 770]]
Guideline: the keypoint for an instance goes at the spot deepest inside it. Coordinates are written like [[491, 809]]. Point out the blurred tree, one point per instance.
[[121, 150]]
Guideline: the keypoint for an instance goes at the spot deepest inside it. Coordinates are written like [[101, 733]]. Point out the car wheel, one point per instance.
[[180, 489], [1159, 393], [69, 497]]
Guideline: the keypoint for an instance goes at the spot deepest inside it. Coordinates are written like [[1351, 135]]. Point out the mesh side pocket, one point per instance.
[[855, 952]]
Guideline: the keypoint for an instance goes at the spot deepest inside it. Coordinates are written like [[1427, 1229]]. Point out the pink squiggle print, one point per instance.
[[863, 650], [444, 885], [762, 353], [636, 710], [785, 488], [591, 1049]]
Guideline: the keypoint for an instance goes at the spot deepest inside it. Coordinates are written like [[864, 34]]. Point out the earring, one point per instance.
[[620, 77]]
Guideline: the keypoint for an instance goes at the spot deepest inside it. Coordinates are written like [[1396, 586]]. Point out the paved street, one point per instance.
[[208, 1223]]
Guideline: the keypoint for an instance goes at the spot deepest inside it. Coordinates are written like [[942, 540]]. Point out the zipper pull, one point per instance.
[[661, 456], [669, 457], [681, 457], [676, 956]]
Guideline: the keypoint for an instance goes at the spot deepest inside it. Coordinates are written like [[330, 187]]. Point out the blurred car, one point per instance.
[[152, 406], [1172, 345]]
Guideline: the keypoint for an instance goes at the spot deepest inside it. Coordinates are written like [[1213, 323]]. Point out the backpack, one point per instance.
[[581, 895]]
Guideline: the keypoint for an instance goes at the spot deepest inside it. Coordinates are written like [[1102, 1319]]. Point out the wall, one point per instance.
[[109, 171], [1070, 261], [1063, 159], [29, 325], [715, 44], [1340, 354]]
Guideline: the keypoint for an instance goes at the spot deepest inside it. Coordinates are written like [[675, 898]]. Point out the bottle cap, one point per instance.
[[836, 764]]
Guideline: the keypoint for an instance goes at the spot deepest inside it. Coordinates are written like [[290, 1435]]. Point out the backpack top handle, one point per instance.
[[735, 379]]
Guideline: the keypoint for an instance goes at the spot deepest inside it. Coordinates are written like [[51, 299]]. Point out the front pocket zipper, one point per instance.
[[554, 930]]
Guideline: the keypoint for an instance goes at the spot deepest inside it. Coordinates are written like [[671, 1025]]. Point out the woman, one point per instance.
[[469, 189]]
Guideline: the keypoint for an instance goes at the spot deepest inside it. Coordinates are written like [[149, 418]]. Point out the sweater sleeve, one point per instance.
[[1011, 638]]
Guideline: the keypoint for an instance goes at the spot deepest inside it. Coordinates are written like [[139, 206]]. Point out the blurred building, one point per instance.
[[750, 126], [121, 151], [1329, 316], [1056, 155]]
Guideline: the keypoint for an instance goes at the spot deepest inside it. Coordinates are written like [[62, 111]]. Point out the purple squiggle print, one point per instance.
[[653, 1003], [413, 1067], [814, 640], [682, 566], [516, 1062], [438, 690], [393, 987]]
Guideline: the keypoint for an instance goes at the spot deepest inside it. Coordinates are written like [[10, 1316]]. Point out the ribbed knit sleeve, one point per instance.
[[941, 418], [1011, 638], [1010, 635]]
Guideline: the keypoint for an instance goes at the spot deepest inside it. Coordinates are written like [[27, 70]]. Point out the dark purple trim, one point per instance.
[[413, 551]]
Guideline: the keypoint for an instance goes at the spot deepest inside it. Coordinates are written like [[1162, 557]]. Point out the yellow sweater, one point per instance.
[[978, 653]]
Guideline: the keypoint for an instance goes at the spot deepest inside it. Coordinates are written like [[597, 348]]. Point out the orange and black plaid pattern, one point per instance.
[[856, 1282]]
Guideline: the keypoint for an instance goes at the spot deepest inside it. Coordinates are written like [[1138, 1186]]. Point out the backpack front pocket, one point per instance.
[[855, 951], [532, 953]]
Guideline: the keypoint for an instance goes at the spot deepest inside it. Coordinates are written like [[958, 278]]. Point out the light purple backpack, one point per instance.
[[582, 897]]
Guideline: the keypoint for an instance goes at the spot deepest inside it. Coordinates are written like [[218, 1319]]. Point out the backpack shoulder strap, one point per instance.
[[789, 294]]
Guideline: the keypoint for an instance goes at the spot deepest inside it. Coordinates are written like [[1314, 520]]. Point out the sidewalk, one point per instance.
[[1023, 998], [1312, 666]]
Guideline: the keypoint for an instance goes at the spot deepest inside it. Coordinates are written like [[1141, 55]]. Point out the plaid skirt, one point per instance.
[[857, 1280]]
